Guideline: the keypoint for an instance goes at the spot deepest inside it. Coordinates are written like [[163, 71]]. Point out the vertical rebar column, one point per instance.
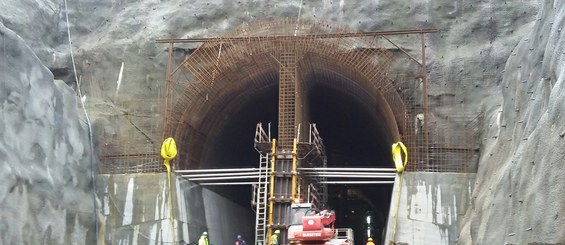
[[287, 92], [283, 181], [294, 173], [425, 102], [168, 91]]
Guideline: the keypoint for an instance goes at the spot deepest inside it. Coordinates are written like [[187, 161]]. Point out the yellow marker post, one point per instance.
[[398, 149], [168, 152], [272, 192], [294, 177]]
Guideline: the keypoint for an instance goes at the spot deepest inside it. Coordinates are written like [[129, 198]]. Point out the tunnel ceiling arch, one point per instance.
[[225, 72]]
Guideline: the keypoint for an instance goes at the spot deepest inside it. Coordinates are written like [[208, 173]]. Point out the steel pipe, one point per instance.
[[216, 170], [224, 178], [219, 174], [346, 173], [356, 182], [349, 169], [353, 176]]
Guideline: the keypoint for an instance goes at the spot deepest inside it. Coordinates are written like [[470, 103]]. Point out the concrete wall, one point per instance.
[[135, 210], [226, 219], [431, 207]]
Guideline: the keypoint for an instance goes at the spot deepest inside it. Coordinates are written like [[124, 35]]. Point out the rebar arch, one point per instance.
[[224, 72]]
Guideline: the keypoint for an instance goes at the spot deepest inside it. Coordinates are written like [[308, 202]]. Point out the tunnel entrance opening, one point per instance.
[[354, 135]]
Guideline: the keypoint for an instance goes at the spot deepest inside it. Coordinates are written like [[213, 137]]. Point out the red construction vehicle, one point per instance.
[[309, 226]]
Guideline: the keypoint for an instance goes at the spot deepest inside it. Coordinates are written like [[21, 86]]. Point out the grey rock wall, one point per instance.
[[520, 187], [46, 185], [474, 41], [38, 23]]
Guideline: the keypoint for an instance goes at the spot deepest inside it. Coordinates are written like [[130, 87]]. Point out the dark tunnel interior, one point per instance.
[[353, 137]]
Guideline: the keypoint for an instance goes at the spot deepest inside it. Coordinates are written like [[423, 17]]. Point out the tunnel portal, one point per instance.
[[291, 75]]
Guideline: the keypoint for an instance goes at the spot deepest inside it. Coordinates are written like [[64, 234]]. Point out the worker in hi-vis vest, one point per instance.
[[204, 239], [275, 238]]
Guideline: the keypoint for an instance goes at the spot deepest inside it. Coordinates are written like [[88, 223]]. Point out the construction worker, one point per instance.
[[239, 241], [204, 239], [370, 241], [275, 238]]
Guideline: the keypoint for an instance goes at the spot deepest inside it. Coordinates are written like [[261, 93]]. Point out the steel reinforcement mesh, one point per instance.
[[133, 147], [454, 132], [218, 76]]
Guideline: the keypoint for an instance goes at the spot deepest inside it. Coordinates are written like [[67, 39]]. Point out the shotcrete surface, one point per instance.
[[520, 187]]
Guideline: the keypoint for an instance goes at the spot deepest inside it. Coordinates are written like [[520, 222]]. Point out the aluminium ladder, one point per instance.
[[261, 200]]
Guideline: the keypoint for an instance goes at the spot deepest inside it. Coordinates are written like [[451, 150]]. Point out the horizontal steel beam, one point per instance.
[[229, 183], [308, 36], [129, 156]]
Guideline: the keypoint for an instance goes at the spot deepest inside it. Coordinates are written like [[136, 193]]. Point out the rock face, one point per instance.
[[520, 186], [45, 195], [474, 41]]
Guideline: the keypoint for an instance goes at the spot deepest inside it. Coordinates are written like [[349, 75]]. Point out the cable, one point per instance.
[[5, 64], [90, 138], [87, 122]]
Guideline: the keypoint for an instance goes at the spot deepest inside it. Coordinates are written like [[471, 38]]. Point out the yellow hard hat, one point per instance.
[[277, 232], [370, 239]]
